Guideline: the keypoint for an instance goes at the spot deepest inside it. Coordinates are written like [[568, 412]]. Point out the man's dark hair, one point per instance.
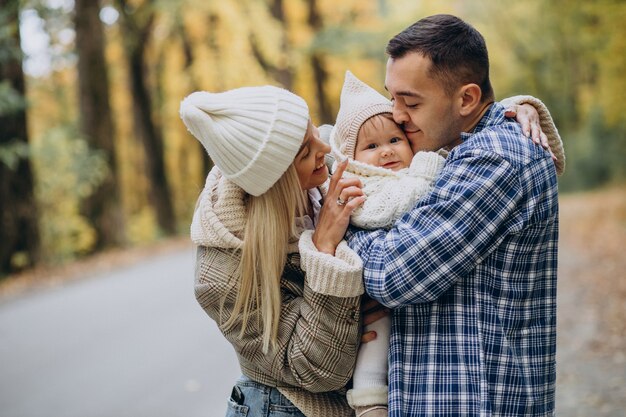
[[458, 51]]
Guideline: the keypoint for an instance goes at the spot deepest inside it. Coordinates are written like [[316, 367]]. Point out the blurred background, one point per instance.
[[94, 158], [94, 155]]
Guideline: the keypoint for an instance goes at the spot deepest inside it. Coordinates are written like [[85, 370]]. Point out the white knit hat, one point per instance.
[[358, 103], [252, 134]]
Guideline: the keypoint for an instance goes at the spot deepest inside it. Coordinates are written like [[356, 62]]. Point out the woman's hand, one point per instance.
[[528, 118], [371, 310], [344, 196]]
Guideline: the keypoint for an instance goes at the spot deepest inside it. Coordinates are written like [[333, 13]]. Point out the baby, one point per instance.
[[380, 156], [393, 180]]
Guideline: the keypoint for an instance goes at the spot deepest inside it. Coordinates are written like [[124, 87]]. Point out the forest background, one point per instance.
[[93, 154]]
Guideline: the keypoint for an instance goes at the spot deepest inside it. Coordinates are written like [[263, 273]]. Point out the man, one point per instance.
[[470, 271]]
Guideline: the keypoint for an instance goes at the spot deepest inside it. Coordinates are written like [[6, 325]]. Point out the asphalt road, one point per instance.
[[131, 342], [134, 343]]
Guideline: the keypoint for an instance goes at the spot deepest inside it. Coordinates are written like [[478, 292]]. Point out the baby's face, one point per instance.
[[382, 143]]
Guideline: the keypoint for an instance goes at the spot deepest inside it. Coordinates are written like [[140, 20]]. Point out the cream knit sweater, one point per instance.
[[392, 193]]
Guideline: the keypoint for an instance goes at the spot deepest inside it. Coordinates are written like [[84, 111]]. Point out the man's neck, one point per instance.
[[475, 117]]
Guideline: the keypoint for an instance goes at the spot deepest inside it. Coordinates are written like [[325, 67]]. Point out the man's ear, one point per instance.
[[470, 96]]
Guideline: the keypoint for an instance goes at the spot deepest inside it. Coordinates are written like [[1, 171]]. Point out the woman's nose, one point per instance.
[[325, 148]]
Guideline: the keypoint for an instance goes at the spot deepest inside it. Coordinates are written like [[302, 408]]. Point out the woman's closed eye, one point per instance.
[[304, 153]]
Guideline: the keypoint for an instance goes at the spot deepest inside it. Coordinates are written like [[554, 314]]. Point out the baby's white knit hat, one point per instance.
[[358, 103], [252, 134]]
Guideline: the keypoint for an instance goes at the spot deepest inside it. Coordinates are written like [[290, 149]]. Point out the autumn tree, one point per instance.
[[103, 207], [318, 66], [137, 24], [281, 71], [19, 230]]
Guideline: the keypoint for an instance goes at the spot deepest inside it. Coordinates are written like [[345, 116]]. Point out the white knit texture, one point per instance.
[[339, 275], [371, 369], [219, 218], [252, 133], [363, 397], [392, 193], [358, 103]]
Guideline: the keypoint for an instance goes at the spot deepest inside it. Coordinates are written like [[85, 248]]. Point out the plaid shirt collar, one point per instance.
[[494, 116]]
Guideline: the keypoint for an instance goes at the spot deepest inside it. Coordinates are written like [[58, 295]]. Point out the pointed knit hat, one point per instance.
[[358, 103], [252, 134]]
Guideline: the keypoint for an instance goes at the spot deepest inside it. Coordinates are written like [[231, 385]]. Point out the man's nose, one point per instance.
[[400, 116]]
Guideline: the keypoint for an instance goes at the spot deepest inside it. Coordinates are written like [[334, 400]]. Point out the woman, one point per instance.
[[294, 331], [287, 297]]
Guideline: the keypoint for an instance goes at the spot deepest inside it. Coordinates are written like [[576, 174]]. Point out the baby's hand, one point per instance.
[[372, 311]]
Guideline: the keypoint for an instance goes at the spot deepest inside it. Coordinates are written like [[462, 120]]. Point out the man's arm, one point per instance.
[[445, 235]]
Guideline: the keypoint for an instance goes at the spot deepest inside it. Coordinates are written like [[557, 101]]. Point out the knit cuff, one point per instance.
[[427, 165], [367, 396], [339, 275], [547, 126]]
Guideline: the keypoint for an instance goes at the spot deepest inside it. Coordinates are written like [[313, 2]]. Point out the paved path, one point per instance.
[[132, 342]]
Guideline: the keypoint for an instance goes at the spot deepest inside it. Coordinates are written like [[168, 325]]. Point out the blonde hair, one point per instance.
[[270, 224]]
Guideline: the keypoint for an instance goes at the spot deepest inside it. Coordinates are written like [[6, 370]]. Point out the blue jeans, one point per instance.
[[259, 400]]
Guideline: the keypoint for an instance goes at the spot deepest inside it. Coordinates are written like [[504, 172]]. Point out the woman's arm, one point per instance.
[[319, 329], [542, 130]]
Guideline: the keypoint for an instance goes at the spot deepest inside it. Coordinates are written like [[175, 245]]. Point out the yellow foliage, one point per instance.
[[565, 52], [142, 227]]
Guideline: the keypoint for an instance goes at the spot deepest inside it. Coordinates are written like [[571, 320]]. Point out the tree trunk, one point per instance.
[[137, 26], [19, 228], [103, 208], [207, 164], [320, 74], [282, 72]]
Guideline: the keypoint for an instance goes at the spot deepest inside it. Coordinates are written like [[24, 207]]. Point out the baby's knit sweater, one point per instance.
[[392, 193]]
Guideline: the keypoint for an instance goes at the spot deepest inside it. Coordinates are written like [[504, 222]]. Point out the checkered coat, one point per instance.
[[319, 328]]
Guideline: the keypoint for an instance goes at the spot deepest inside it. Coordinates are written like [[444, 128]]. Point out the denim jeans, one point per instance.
[[260, 400]]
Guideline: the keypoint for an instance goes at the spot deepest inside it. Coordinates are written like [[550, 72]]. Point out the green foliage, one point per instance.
[[11, 100], [143, 227], [9, 49], [12, 152], [67, 172], [339, 40], [595, 155]]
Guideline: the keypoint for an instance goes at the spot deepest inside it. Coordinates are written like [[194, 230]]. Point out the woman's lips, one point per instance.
[[319, 170]]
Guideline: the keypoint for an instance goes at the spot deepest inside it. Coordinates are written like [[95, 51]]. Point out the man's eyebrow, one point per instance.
[[407, 93]]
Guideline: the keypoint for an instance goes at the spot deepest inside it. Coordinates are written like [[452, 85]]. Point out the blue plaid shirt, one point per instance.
[[470, 273]]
